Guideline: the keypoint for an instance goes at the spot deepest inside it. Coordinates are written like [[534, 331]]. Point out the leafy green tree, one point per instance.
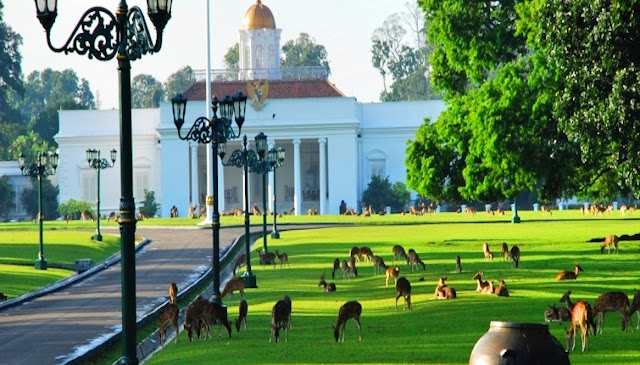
[[402, 196], [232, 58], [304, 51], [146, 92], [31, 144], [380, 194], [49, 199], [149, 205], [179, 81], [7, 198], [52, 89], [74, 208]]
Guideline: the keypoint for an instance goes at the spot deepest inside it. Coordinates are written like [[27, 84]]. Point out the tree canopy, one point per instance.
[[178, 82], [146, 92], [304, 51]]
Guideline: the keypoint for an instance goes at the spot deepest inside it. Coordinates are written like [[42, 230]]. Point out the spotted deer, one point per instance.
[[235, 283], [173, 293], [280, 319], [443, 291], [504, 251], [609, 302], [328, 287], [194, 317], [366, 253], [488, 255], [501, 290], [579, 318], [610, 240], [349, 310], [267, 258], [555, 314], [570, 305], [398, 251], [87, 215], [392, 273], [241, 321], [170, 315], [403, 288], [413, 260], [240, 260], [515, 255], [569, 275], [112, 216], [283, 257], [483, 286]]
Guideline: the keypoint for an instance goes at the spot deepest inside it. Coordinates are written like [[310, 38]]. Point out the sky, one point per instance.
[[343, 27]]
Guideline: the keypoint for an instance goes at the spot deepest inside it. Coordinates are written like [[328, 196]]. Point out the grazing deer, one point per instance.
[[488, 255], [443, 291], [504, 251], [280, 319], [413, 260], [111, 216], [546, 210], [240, 260], [403, 287], [470, 211], [355, 252], [173, 293], [579, 317], [367, 253], [554, 314], [194, 317], [483, 286], [398, 251], [515, 255], [569, 275], [283, 257], [352, 266], [3, 297], [612, 301], [392, 273], [87, 215], [635, 305], [235, 283], [336, 267], [215, 312], [458, 264], [348, 311], [378, 265], [347, 272], [610, 240], [242, 315], [267, 258], [501, 290], [168, 317], [328, 287]]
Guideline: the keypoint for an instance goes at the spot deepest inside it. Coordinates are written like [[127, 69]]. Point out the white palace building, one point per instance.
[[333, 143]]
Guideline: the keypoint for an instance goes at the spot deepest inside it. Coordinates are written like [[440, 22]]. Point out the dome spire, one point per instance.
[[258, 16]]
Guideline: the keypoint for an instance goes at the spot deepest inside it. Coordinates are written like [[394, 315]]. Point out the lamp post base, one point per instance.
[[97, 237], [515, 219], [41, 264], [249, 280], [275, 234]]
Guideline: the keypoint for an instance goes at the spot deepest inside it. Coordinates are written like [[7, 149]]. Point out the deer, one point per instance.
[[635, 305], [267, 258], [398, 251], [174, 212], [443, 291], [483, 286], [336, 267], [283, 257], [349, 310], [612, 301], [241, 321], [194, 317], [569, 275], [515, 255], [347, 272], [458, 264], [215, 312], [488, 255], [170, 315], [280, 319], [554, 314], [367, 253], [470, 211], [504, 251], [173, 293], [610, 240], [3, 297], [378, 265], [546, 210], [392, 272], [352, 266], [570, 305], [414, 260], [235, 283], [403, 288], [240, 260], [355, 252], [579, 317], [328, 287], [111, 216], [87, 215], [501, 290]]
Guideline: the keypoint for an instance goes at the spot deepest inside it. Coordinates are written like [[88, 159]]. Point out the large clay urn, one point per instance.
[[518, 343]]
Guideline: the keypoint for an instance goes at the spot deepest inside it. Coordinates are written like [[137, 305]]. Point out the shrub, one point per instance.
[[149, 205], [380, 194], [74, 207]]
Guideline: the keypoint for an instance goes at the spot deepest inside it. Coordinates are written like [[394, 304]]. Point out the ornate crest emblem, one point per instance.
[[258, 91]]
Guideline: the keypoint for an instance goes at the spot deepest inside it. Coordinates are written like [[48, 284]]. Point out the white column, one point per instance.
[[271, 188], [246, 184], [322, 152], [297, 178], [221, 198], [210, 152], [195, 194]]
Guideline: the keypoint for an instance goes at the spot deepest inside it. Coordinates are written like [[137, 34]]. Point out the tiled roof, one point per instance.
[[278, 89]]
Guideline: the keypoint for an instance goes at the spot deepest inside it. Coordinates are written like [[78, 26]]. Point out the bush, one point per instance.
[[74, 208], [49, 199], [380, 194], [149, 205]]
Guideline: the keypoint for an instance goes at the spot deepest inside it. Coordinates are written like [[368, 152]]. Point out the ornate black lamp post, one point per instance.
[[275, 159], [45, 165], [247, 159], [94, 160], [124, 35], [216, 131]]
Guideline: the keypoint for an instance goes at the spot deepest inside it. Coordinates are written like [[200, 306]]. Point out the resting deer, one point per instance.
[[443, 291], [241, 321], [515, 255], [378, 265], [612, 301], [610, 240], [413, 260], [554, 314], [458, 264], [392, 273], [267, 258], [483, 286], [87, 215], [403, 288], [283, 257], [328, 287], [579, 317], [349, 310], [569, 275], [280, 319], [235, 283], [504, 251], [501, 290], [336, 267], [488, 255], [170, 315], [240, 260], [398, 251]]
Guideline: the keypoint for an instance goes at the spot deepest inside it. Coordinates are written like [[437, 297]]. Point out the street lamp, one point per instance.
[[102, 35], [276, 159], [216, 131], [247, 159], [45, 165], [94, 160]]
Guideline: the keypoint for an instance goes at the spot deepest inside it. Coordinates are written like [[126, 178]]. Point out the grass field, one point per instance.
[[434, 331]]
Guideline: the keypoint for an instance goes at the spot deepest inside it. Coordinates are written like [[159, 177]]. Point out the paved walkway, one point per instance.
[[57, 327]]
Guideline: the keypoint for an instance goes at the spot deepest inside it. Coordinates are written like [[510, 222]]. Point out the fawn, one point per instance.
[[399, 252], [458, 264], [348, 311], [378, 265], [579, 317], [403, 287], [483, 286], [327, 286], [610, 240], [515, 255], [283, 257], [392, 273], [569, 275], [336, 267], [488, 255], [612, 301], [502, 290], [242, 315], [170, 315], [414, 260], [235, 283], [504, 251], [554, 314], [267, 258], [280, 319], [240, 260], [87, 215], [443, 291]]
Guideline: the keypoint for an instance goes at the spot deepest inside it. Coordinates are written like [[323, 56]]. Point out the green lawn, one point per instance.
[[434, 331]]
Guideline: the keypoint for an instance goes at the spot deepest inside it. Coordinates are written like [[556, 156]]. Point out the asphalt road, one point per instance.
[[57, 327]]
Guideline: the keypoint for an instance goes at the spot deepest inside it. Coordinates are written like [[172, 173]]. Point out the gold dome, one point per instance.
[[257, 17]]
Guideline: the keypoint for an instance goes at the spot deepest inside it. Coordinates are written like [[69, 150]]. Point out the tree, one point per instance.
[[74, 208], [380, 194], [146, 92], [7, 197], [49, 199], [304, 51], [179, 81], [232, 58]]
